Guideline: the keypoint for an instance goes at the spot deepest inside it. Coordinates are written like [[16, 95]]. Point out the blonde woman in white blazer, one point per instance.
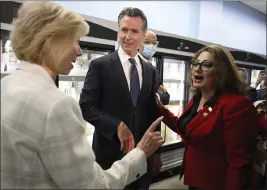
[[43, 145]]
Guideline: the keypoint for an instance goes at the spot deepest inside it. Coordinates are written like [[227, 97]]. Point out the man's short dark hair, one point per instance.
[[133, 12]]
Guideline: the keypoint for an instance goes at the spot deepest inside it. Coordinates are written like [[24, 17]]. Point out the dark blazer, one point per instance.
[[165, 96], [259, 96], [105, 101], [219, 152], [251, 93]]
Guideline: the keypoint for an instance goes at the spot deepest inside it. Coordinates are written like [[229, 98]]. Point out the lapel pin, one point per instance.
[[205, 114], [210, 109]]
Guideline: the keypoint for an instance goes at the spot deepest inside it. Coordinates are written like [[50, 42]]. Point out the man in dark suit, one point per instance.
[[146, 52], [118, 96]]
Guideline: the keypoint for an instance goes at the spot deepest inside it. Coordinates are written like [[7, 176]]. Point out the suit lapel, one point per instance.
[[148, 81], [201, 117], [121, 78], [116, 68], [144, 75]]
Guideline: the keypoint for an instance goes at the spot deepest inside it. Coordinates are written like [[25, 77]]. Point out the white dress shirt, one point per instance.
[[126, 65], [43, 142]]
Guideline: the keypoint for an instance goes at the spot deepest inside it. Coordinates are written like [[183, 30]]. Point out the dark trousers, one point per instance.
[[263, 183]]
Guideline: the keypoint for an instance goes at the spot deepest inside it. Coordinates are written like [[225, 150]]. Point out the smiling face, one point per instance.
[[64, 56], [47, 34], [71, 51], [130, 34], [203, 76]]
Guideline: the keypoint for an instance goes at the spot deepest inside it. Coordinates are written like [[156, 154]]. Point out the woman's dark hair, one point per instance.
[[226, 76]]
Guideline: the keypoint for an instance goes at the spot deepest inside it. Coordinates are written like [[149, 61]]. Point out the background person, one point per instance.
[[260, 79], [147, 50], [261, 106], [250, 92]]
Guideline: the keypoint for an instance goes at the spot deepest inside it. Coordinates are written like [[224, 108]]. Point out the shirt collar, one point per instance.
[[143, 58], [124, 57], [36, 69]]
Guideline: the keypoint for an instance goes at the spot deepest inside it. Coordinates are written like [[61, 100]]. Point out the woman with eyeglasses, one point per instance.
[[218, 126]]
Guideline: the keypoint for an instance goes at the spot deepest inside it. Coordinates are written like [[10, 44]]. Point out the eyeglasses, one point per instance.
[[204, 66], [148, 42]]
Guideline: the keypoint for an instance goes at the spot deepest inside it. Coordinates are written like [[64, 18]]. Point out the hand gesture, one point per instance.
[[151, 140], [126, 138]]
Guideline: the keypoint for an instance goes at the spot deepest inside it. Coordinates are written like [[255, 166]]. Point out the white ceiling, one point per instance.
[[259, 5]]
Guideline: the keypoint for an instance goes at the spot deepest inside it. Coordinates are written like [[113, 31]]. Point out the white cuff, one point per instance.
[[137, 160]]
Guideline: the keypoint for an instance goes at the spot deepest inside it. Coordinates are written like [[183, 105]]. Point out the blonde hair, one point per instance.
[[41, 27], [227, 79]]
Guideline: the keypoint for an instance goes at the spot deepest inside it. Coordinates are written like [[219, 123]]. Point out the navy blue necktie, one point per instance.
[[134, 81]]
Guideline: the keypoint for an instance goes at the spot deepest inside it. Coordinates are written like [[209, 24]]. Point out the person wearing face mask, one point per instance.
[[118, 96], [219, 125], [148, 47], [146, 51]]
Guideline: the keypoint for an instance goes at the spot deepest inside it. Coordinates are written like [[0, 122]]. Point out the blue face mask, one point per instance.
[[149, 51]]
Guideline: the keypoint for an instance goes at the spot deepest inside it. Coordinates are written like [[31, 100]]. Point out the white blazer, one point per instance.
[[43, 143]]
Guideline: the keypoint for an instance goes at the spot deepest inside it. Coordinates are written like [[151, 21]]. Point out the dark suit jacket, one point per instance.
[[219, 152], [259, 96], [251, 93], [106, 101], [165, 96]]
